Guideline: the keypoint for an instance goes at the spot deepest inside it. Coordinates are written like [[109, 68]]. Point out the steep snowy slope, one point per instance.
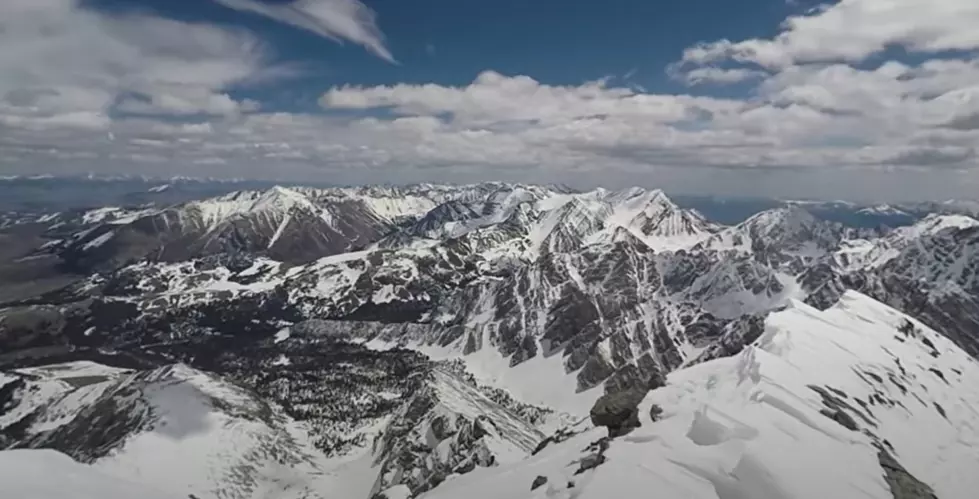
[[657, 221], [173, 428], [930, 270], [851, 402], [860, 254], [323, 419], [787, 237]]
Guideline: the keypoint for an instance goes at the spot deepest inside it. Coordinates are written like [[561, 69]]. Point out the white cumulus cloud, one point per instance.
[[821, 109], [853, 30]]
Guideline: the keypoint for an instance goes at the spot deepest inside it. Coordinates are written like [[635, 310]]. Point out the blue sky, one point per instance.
[[554, 41], [872, 99], [561, 42]]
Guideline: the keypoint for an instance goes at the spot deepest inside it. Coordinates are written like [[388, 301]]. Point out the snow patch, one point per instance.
[[48, 474], [283, 335]]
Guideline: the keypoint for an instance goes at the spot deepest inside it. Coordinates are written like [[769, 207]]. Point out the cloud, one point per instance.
[[967, 122], [63, 63], [496, 99], [933, 156], [334, 19], [84, 91], [852, 31]]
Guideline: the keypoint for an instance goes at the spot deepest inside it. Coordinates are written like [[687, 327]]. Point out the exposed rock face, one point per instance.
[[591, 462], [644, 373], [734, 336], [538, 482], [334, 394], [935, 279], [619, 412], [903, 484], [559, 436], [447, 427], [618, 283]]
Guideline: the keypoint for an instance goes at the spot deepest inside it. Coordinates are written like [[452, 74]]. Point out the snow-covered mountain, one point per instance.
[[285, 224], [850, 390], [858, 401], [172, 428], [415, 339], [180, 430], [930, 270], [605, 278], [783, 237]]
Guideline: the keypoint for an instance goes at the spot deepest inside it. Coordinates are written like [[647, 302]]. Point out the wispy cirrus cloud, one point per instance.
[[339, 20]]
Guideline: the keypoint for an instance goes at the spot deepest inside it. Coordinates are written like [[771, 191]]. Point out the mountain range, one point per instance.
[[441, 341]]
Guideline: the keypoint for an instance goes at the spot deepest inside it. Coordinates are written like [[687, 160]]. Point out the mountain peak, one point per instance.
[[936, 222], [638, 199], [791, 216], [281, 199], [274, 202], [657, 220]]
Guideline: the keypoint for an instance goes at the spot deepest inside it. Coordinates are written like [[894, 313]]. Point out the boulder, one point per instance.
[[590, 461], [619, 412]]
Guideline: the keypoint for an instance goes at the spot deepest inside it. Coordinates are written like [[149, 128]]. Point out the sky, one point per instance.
[[851, 99]]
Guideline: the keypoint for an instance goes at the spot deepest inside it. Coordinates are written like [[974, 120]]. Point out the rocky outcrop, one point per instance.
[[619, 412], [903, 484], [538, 482], [447, 427]]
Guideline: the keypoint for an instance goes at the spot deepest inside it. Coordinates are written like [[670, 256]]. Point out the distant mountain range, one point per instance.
[[47, 193]]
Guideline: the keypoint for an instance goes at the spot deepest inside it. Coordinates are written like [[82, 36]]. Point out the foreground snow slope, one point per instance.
[[173, 428], [47, 474], [778, 419]]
